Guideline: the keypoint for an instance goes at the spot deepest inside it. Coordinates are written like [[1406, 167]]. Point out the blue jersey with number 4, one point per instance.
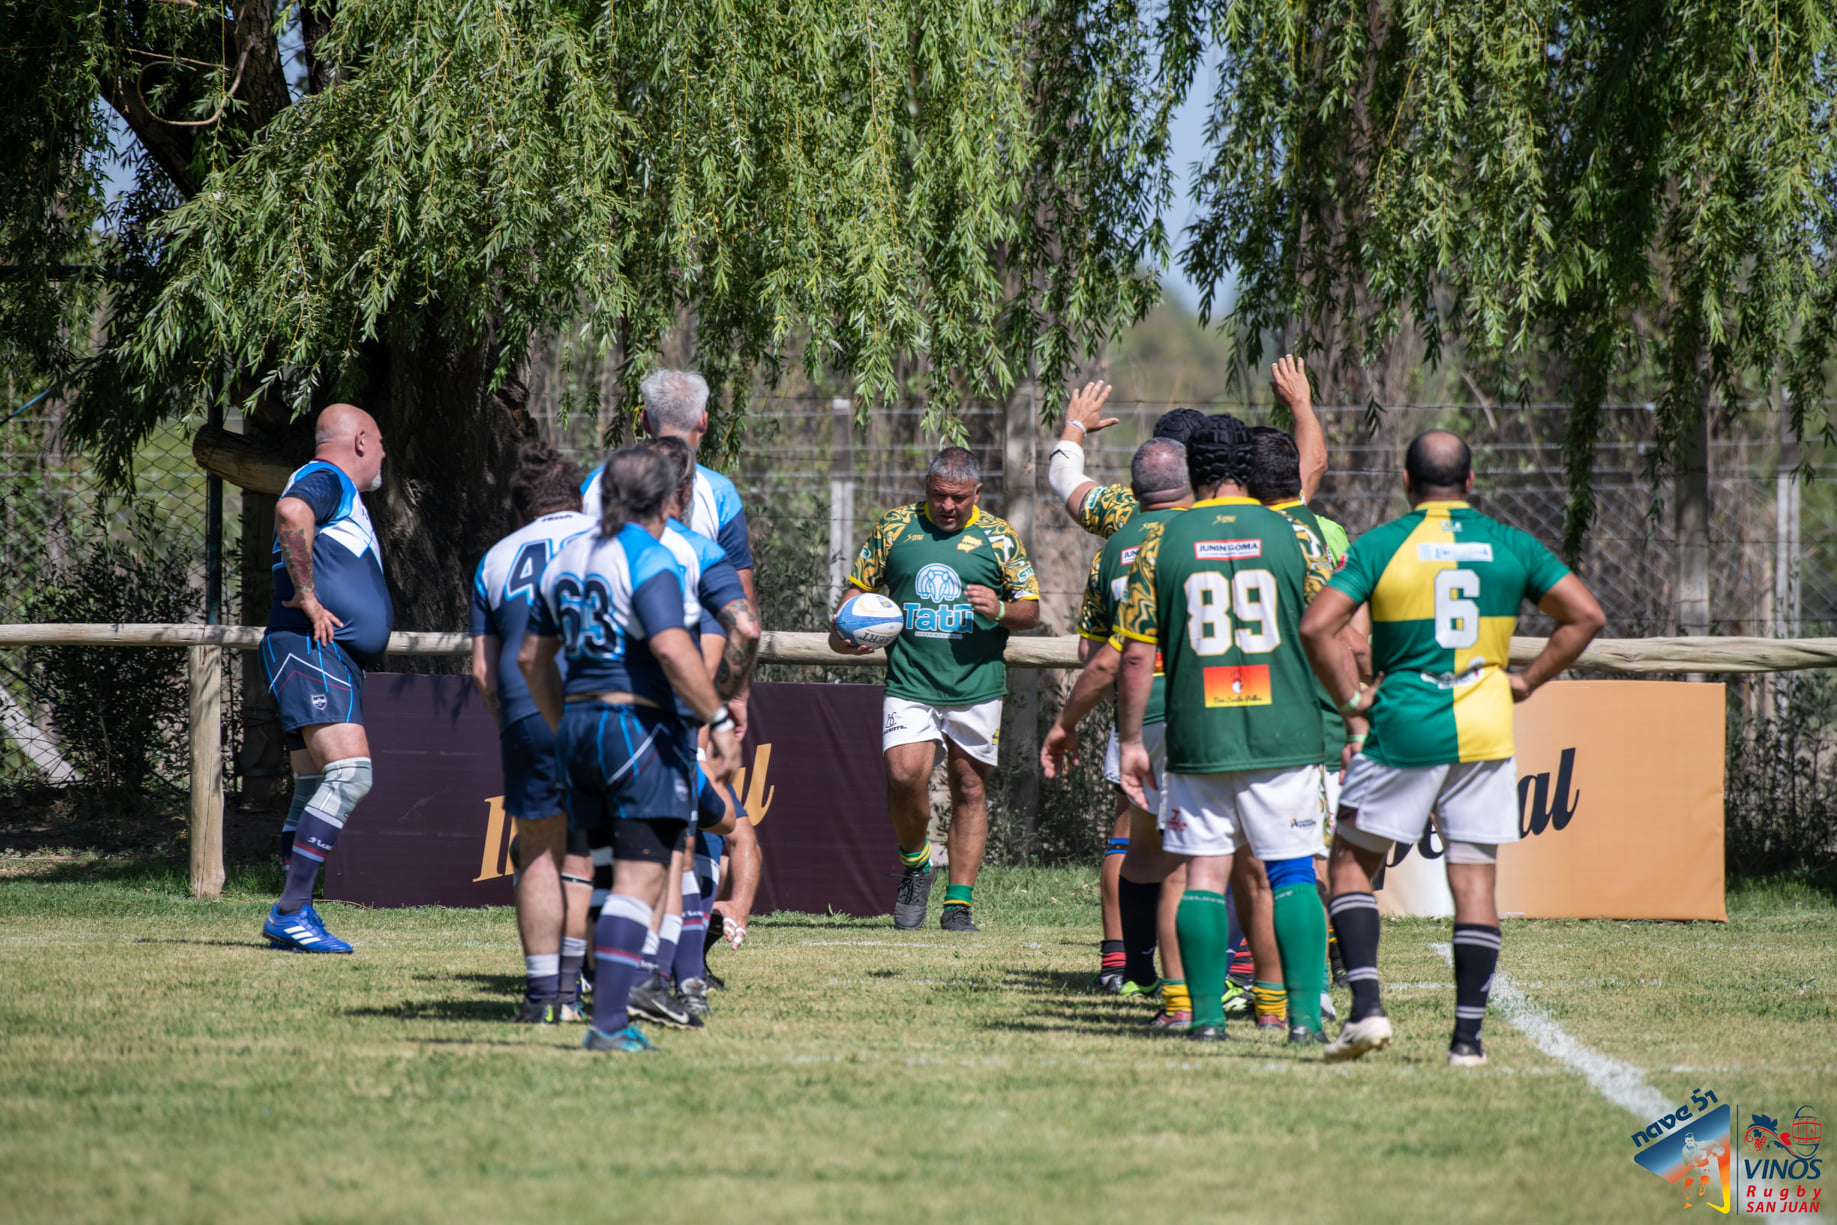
[[504, 595], [606, 599]]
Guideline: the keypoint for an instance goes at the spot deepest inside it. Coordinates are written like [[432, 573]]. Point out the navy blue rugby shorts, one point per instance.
[[532, 775], [311, 682], [622, 762]]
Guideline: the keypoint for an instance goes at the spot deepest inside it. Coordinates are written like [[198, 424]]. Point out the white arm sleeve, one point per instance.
[[1065, 470]]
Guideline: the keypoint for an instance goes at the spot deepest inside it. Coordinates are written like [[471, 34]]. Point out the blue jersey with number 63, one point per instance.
[[504, 595], [606, 598]]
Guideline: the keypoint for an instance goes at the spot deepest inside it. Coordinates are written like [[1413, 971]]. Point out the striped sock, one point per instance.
[[573, 954], [1111, 956], [919, 860], [541, 976], [1355, 917], [312, 842], [958, 895], [669, 933], [304, 785], [1175, 998], [618, 943], [690, 947], [1476, 956], [1272, 999]]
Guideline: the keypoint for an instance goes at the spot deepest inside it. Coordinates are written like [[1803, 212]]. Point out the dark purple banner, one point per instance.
[[432, 831]]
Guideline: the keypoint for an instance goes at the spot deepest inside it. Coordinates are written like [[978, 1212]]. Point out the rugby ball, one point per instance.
[[869, 620]]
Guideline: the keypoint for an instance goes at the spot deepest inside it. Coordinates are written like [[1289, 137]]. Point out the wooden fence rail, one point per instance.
[[206, 642]]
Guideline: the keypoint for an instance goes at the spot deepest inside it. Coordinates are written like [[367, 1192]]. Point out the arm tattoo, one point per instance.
[[741, 651], [297, 553]]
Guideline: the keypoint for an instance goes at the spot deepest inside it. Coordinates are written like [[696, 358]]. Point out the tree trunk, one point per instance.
[[452, 448]]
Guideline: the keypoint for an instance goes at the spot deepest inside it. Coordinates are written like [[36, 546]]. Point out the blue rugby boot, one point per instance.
[[300, 933], [630, 1039]]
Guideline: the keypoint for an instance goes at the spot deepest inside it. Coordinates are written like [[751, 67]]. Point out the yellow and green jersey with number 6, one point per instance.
[[1444, 584], [1221, 589]]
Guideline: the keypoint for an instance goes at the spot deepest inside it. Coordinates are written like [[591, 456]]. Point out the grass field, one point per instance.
[[157, 1063]]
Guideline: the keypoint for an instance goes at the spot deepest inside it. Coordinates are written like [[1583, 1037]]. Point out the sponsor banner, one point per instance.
[[1619, 809], [433, 832], [1734, 1160]]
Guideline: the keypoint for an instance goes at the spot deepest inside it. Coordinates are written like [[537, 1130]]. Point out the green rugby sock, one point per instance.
[[1205, 952], [1301, 935], [920, 859], [958, 895]]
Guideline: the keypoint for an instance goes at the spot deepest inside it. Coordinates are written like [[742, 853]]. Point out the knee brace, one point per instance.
[[342, 785], [1291, 872]]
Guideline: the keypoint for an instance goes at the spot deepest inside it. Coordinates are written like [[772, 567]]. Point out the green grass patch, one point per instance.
[[160, 1064]]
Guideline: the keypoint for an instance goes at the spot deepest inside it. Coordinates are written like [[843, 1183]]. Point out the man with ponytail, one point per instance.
[[612, 600], [554, 877]]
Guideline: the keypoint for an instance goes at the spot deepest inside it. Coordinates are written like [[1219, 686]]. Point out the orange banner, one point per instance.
[[1619, 809]]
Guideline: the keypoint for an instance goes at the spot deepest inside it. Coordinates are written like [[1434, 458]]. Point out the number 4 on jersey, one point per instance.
[[526, 571]]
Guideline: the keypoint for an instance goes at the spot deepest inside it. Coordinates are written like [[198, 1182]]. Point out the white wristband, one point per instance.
[[1081, 430], [1065, 469]]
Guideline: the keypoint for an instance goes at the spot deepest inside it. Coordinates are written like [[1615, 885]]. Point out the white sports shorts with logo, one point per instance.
[[1474, 801], [1276, 813], [1154, 739], [976, 729]]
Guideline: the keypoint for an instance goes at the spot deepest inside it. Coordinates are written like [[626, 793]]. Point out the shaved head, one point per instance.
[[1438, 462], [346, 435]]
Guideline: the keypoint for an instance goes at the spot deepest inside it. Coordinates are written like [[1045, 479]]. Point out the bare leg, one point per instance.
[[969, 815], [1256, 914], [1111, 872], [909, 794], [541, 906]]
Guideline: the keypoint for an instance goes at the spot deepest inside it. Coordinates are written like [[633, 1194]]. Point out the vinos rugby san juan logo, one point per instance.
[[1764, 1167]]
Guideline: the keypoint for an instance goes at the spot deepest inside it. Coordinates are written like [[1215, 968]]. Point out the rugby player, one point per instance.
[[330, 620], [1217, 592], [1158, 479], [553, 880], [964, 581], [728, 632], [1443, 583], [676, 406], [613, 600]]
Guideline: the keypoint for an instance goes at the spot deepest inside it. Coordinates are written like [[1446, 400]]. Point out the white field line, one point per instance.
[[1620, 1083]]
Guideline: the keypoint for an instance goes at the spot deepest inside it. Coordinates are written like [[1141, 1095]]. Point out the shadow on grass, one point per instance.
[[1789, 891], [1061, 1003], [442, 1010]]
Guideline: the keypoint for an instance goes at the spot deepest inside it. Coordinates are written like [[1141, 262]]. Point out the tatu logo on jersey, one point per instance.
[[1237, 685], [939, 584]]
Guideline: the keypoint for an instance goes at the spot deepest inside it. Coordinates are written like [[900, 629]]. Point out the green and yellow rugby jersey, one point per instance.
[[1105, 509], [1220, 589], [1444, 584], [1103, 595], [946, 655], [1317, 544]]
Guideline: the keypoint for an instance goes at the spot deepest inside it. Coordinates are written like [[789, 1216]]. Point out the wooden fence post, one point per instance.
[[206, 676]]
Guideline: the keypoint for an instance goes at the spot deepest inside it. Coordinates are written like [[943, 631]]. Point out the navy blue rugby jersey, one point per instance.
[[347, 565], [605, 599], [714, 511], [504, 594], [710, 584]]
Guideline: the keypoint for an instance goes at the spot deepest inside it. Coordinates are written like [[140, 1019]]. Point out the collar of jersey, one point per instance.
[[1287, 504], [1454, 505], [1227, 502], [975, 514]]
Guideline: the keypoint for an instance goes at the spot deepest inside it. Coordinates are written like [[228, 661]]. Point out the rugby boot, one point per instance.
[[301, 932], [957, 919], [628, 1039], [1205, 1033], [695, 996], [567, 1012], [1165, 1022], [537, 1012], [1327, 1011], [1466, 1055], [1373, 1033], [1267, 1023], [1238, 1000], [654, 1000], [914, 894], [1301, 1035], [1132, 990], [1109, 982], [682, 1001]]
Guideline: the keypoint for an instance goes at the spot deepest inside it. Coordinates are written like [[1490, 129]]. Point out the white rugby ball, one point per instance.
[[869, 620]]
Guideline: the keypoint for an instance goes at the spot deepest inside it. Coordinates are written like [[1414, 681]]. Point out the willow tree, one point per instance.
[[974, 188], [1622, 185]]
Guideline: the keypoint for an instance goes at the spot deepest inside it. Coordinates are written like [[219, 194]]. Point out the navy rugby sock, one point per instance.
[[1476, 956], [541, 976], [669, 935], [618, 942], [304, 785], [573, 954], [689, 963], [312, 842], [1355, 917]]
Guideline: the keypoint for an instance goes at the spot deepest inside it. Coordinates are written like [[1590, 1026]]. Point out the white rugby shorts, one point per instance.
[[976, 729], [1154, 739], [1277, 813], [1474, 801]]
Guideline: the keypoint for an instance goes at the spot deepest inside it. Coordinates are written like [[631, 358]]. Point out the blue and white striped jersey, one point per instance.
[[714, 511], [606, 599], [504, 595], [347, 565]]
